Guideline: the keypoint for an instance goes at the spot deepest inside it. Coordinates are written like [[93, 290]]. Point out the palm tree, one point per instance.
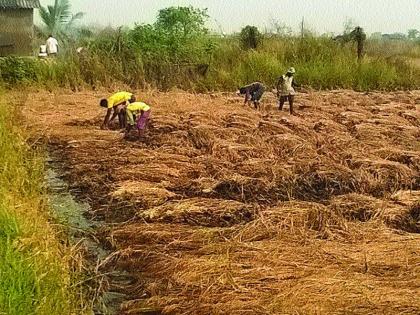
[[58, 17]]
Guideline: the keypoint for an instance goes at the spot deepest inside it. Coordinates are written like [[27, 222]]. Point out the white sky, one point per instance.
[[386, 16]]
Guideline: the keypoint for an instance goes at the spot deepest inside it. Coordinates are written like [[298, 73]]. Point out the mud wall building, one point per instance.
[[17, 26]]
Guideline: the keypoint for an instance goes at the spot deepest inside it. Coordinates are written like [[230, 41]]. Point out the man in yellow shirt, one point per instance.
[[116, 103], [142, 113]]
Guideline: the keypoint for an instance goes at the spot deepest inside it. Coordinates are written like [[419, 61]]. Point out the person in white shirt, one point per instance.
[[285, 89], [52, 46]]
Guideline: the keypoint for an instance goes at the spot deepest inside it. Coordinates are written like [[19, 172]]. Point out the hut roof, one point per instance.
[[19, 4]]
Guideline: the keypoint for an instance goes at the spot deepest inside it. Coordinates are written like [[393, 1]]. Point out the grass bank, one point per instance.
[[111, 60], [35, 277]]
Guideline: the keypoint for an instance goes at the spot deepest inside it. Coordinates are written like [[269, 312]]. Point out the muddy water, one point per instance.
[[70, 212]]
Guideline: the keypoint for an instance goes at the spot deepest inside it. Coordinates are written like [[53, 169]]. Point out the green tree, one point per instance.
[[413, 34], [58, 17], [178, 34], [250, 37], [182, 21]]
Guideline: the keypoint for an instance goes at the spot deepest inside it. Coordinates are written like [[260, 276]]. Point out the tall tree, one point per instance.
[[413, 34], [58, 17], [182, 21]]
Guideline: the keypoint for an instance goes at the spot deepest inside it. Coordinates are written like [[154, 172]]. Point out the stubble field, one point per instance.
[[228, 210]]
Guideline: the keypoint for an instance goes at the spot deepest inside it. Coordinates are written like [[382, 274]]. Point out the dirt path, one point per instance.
[[225, 210]]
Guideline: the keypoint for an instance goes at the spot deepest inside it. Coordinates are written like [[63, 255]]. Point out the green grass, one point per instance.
[[321, 63], [34, 270]]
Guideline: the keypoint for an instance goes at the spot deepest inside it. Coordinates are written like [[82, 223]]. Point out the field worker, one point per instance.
[[52, 46], [116, 103], [285, 89], [253, 93], [138, 110]]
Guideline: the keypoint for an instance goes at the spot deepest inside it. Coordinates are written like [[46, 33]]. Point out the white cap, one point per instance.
[[291, 70]]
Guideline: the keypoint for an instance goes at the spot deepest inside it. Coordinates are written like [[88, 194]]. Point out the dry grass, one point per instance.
[[234, 211]]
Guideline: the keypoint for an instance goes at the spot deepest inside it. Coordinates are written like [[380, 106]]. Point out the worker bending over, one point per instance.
[[137, 113], [115, 104], [253, 93]]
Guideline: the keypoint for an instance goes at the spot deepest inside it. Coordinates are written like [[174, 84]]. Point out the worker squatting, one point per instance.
[[131, 112]]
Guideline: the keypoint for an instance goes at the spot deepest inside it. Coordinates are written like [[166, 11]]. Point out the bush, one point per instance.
[[15, 70], [250, 37]]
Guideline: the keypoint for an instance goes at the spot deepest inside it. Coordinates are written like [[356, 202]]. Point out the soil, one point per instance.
[[226, 210]]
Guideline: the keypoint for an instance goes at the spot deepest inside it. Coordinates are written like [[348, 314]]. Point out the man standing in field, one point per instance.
[[142, 112], [52, 46], [285, 89], [253, 93], [116, 104]]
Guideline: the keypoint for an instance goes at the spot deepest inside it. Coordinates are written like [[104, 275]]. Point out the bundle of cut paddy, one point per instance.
[[401, 217], [201, 211], [296, 217], [273, 128], [202, 137], [200, 118], [241, 187], [234, 152], [407, 218], [288, 144], [412, 116], [241, 121], [357, 206], [329, 126], [321, 180], [166, 123], [154, 172], [350, 118], [379, 177], [371, 133], [96, 121], [409, 158], [142, 193]]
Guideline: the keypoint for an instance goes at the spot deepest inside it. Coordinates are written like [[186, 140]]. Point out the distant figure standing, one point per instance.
[[52, 46], [253, 93], [285, 89]]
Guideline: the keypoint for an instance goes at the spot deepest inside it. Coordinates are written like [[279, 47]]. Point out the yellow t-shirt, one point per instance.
[[134, 108], [138, 106], [119, 98]]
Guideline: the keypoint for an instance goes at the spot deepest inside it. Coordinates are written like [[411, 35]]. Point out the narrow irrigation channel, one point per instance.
[[73, 215]]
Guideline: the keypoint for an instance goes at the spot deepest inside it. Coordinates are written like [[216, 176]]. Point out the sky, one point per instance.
[[322, 16]]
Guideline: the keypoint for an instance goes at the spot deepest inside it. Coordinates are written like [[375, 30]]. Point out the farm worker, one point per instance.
[[285, 89], [52, 46], [138, 110], [253, 93], [116, 103]]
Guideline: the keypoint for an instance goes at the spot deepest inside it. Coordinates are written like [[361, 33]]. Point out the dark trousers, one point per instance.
[[283, 99]]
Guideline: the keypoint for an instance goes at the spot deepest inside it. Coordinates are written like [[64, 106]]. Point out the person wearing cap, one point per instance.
[[253, 93], [116, 104], [285, 89]]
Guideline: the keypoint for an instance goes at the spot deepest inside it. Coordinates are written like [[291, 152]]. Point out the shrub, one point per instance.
[[250, 37]]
